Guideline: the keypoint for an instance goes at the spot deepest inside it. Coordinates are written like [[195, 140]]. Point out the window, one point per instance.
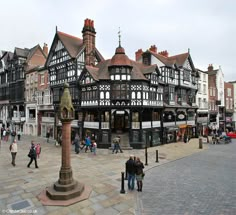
[[171, 93], [186, 75], [204, 77], [228, 91], [199, 88], [120, 91], [204, 89], [42, 80]]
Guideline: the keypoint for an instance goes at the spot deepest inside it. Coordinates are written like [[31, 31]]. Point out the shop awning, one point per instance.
[[172, 128], [183, 126]]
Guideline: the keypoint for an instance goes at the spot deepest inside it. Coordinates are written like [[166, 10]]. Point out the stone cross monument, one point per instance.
[[66, 190]]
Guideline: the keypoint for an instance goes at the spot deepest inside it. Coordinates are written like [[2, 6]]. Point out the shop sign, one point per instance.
[[181, 116], [228, 119]]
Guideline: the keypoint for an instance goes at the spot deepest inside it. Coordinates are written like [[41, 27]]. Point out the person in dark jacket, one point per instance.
[[130, 168], [77, 143], [139, 174], [32, 155]]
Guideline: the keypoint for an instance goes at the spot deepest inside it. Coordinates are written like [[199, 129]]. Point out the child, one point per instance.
[[94, 147], [38, 150]]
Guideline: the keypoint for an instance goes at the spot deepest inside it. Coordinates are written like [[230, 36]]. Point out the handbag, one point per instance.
[[143, 174], [29, 155]]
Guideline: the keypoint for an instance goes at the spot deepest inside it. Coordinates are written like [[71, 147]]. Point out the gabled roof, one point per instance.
[[72, 44], [179, 59], [175, 60], [93, 71], [21, 52]]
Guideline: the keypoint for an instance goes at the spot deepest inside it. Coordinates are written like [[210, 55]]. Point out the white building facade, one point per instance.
[[202, 103]]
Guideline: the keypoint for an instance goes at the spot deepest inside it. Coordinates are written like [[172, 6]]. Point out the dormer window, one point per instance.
[[186, 75], [87, 80], [172, 73]]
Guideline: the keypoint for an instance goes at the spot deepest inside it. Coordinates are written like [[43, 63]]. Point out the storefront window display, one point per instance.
[[156, 140]]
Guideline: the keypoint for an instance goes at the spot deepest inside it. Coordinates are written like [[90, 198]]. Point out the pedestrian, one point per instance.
[[48, 135], [18, 135], [32, 155], [130, 168], [38, 150], [185, 138], [4, 134], [94, 147], [13, 149], [139, 174], [88, 143], [76, 142], [116, 142], [13, 135]]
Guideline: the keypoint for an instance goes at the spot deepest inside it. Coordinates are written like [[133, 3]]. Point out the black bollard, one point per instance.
[[126, 177], [157, 156], [122, 183], [146, 156]]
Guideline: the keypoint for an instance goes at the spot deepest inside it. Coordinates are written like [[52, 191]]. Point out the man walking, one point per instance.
[[33, 155], [130, 168], [116, 142], [13, 149]]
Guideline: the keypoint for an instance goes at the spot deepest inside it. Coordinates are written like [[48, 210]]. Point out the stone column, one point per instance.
[[66, 190]]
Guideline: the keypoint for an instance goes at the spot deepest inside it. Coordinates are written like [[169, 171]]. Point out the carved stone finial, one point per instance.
[[67, 111]]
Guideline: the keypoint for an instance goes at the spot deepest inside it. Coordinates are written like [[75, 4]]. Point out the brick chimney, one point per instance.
[[210, 68], [89, 35], [153, 48], [164, 53], [138, 54], [45, 49]]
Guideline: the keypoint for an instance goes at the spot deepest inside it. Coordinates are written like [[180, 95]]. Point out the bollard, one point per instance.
[[146, 156], [126, 175], [200, 143], [122, 183], [157, 156]]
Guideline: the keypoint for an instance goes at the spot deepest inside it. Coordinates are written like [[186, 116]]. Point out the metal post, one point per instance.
[[122, 183], [157, 156], [200, 143], [146, 156], [126, 177]]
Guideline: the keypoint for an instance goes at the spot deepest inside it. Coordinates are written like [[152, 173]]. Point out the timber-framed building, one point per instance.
[[66, 59]]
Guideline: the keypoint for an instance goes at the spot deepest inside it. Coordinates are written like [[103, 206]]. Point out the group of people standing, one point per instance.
[[87, 143], [6, 133], [134, 168]]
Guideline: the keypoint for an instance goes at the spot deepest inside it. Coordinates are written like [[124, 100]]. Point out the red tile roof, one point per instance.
[[73, 44]]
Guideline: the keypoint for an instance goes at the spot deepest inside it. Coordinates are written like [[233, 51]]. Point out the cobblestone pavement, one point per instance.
[[204, 183], [20, 186]]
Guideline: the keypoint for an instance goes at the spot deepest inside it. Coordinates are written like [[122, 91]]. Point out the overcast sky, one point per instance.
[[206, 27]]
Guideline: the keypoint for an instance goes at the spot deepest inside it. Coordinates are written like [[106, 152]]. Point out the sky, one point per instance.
[[206, 27]]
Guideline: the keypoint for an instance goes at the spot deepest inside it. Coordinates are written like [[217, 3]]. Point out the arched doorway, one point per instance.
[[120, 121]]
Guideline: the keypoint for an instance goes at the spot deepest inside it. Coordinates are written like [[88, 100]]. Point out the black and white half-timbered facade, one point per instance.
[[5, 56], [122, 97], [66, 59], [180, 80]]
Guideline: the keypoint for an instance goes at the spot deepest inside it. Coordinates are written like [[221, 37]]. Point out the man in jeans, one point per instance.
[[130, 168]]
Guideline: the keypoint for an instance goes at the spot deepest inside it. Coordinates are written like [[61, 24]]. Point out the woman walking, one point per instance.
[[13, 149], [139, 174]]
